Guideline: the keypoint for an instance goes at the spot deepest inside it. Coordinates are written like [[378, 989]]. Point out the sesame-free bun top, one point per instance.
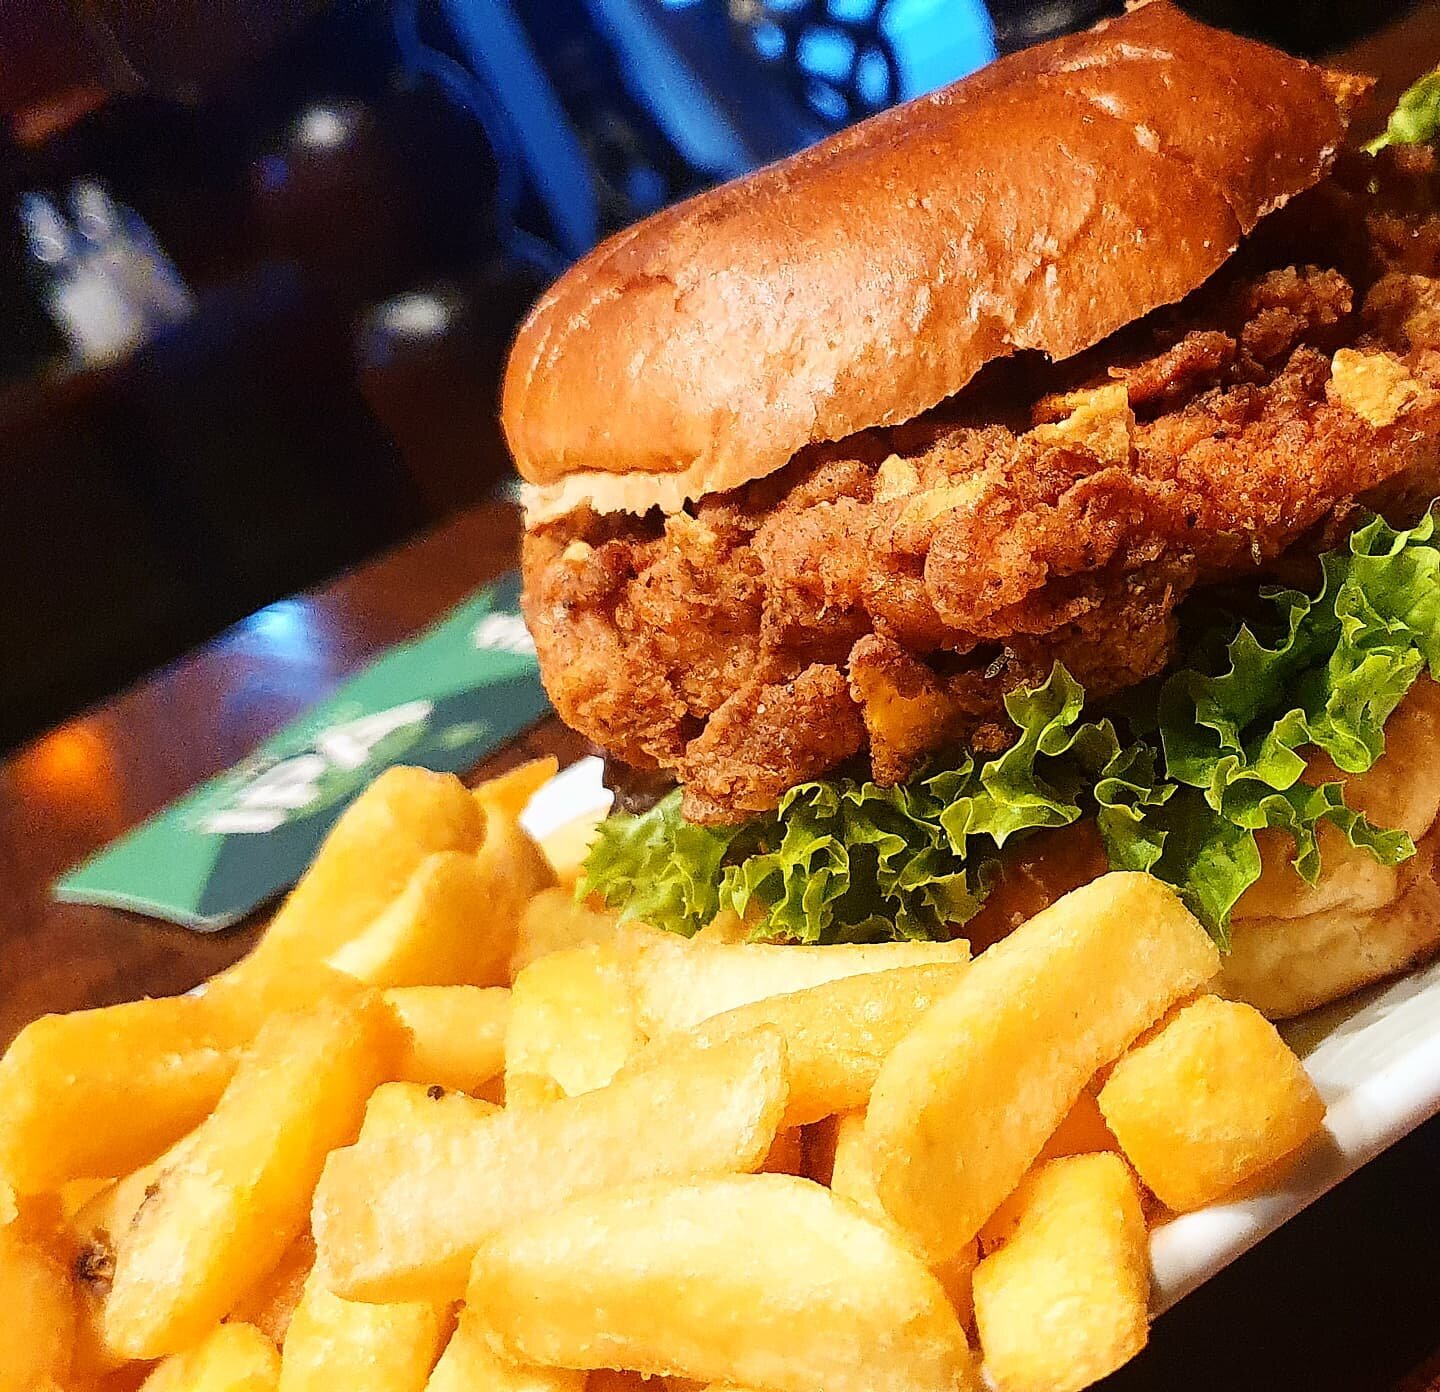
[[1043, 203]]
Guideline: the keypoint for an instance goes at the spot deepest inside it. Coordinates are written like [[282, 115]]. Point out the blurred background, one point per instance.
[[260, 260]]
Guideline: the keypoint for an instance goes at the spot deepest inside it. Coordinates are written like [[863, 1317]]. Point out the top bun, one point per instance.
[[1043, 203]]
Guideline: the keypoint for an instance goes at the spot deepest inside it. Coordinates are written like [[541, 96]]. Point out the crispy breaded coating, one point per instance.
[[881, 595]]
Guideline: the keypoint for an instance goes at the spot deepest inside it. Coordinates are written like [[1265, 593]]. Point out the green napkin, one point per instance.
[[442, 701]]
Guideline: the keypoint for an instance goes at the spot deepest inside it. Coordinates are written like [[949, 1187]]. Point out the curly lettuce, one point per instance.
[[1179, 779], [1416, 118]]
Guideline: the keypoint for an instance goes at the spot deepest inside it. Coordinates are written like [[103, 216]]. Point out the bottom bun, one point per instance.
[[1284, 967], [1295, 946]]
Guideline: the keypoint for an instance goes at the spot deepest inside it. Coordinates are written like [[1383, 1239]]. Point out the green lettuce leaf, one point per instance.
[[1416, 118], [1180, 777], [659, 868]]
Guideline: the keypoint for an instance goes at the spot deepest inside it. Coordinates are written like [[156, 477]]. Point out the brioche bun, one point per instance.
[[1295, 946], [1042, 203]]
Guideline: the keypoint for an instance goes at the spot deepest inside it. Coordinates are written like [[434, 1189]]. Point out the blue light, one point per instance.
[[937, 41], [284, 628], [645, 188], [827, 101], [826, 53], [872, 77], [769, 40], [851, 11]]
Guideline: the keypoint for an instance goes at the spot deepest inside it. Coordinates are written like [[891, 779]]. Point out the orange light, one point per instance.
[[66, 763]]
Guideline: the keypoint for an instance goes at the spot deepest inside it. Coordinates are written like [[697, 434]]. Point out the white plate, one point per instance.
[[1375, 1058]]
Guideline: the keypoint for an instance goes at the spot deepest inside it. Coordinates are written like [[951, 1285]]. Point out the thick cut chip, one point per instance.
[[336, 1345], [1208, 1101], [957, 1276], [679, 983], [837, 1034], [1064, 1301], [108, 1213], [99, 1092], [37, 1314], [469, 1364], [398, 1108], [515, 870], [852, 1178], [400, 1218], [764, 1280], [553, 922], [1083, 1132], [437, 932], [852, 1175], [233, 1357], [405, 816], [222, 1217], [270, 1305], [457, 1034], [572, 1024], [509, 793], [965, 1101]]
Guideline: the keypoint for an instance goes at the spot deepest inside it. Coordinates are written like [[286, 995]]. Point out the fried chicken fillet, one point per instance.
[[878, 597]]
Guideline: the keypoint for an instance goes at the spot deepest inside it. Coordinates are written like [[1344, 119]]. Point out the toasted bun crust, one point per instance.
[[1043, 203], [1295, 946]]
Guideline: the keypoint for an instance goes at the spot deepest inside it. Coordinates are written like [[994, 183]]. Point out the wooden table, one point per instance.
[[1346, 1297]]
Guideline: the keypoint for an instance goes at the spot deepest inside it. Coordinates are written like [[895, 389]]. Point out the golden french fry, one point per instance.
[[93, 1232], [524, 1090], [514, 870], [852, 1176], [271, 1303], [1082, 1132], [572, 1024], [400, 1218], [457, 1034], [396, 1109], [957, 1277], [1208, 1101], [836, 1034], [965, 1102], [679, 984], [37, 1313], [364, 865], [509, 793], [1064, 1301], [335, 1344], [72, 1196], [553, 921], [469, 1364], [437, 932], [232, 1357], [111, 1210], [222, 1217], [96, 1093], [239, 1002], [765, 1280], [623, 1380]]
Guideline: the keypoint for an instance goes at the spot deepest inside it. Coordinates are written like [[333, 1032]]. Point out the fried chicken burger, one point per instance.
[[1033, 478]]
